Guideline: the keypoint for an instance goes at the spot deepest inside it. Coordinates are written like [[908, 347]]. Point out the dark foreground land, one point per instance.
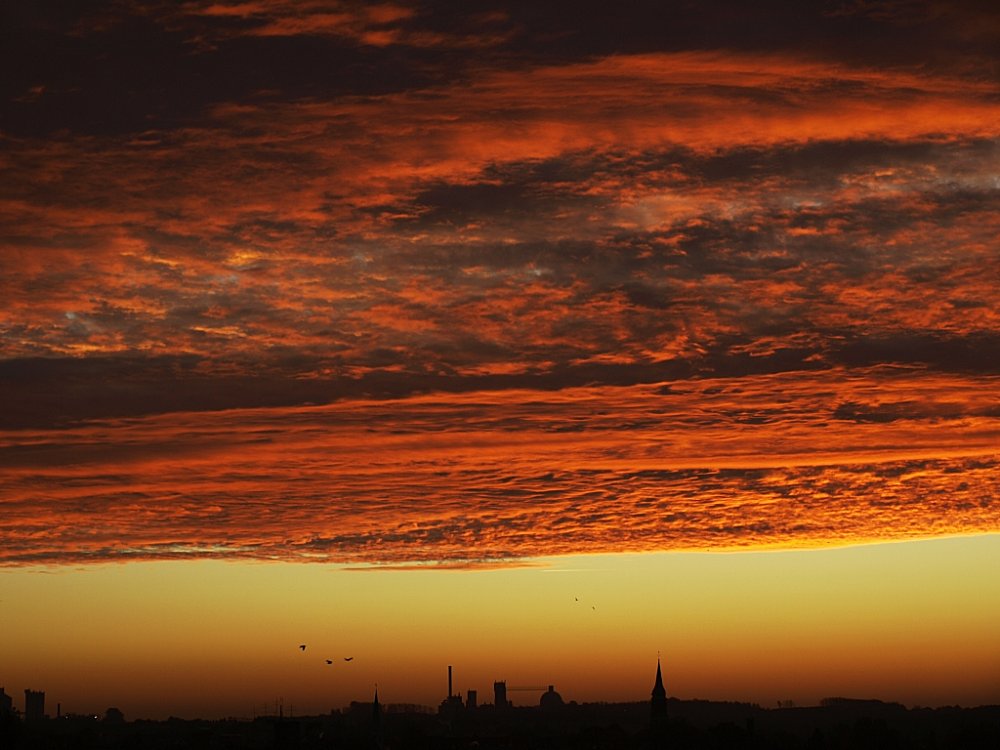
[[691, 725]]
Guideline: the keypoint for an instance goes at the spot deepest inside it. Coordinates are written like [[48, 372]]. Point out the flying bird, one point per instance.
[[302, 647], [329, 661], [348, 658]]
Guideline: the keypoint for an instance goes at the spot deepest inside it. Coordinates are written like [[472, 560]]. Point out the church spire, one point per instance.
[[658, 689], [377, 721], [658, 705]]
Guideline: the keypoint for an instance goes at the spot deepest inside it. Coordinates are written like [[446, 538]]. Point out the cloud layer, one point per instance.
[[789, 459], [441, 285]]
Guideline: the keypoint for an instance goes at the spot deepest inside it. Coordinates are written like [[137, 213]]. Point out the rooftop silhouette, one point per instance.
[[662, 722]]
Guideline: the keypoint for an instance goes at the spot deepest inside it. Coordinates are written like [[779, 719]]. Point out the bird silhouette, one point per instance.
[[302, 647], [329, 661], [348, 658]]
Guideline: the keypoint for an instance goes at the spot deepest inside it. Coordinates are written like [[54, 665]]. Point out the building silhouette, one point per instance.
[[500, 695], [6, 703], [451, 706], [34, 705]]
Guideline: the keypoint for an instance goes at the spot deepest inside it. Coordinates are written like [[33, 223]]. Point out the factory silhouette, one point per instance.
[[661, 723], [453, 703]]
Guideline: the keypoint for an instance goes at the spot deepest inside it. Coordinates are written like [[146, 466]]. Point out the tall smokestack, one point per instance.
[[449, 681]]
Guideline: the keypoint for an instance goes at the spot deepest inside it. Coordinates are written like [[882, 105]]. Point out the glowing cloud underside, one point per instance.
[[773, 460]]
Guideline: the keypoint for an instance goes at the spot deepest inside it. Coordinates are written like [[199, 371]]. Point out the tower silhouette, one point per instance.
[[34, 705], [500, 695]]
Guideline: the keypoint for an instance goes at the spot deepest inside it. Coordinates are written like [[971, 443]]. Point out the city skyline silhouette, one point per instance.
[[656, 724]]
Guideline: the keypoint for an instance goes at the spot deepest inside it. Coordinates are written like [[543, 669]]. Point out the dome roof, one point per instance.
[[551, 699]]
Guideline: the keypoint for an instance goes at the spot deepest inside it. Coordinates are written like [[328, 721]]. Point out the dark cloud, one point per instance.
[[977, 353], [121, 67]]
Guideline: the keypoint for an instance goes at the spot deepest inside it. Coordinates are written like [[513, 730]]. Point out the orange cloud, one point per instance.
[[780, 461]]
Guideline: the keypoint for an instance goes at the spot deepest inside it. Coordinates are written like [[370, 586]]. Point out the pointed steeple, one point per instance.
[[658, 705], [658, 689], [377, 721]]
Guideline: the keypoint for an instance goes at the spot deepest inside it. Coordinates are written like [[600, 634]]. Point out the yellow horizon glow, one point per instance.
[[913, 622]]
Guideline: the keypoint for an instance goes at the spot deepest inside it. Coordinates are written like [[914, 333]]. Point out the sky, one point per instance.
[[449, 317]]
